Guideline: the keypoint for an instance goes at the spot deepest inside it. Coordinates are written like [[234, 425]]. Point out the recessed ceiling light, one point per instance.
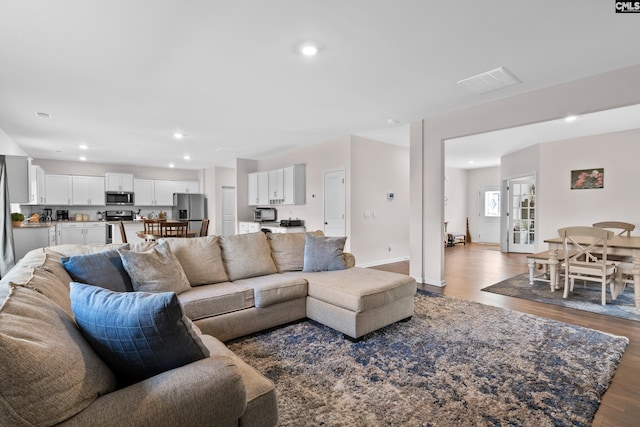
[[309, 49], [83, 146], [83, 158], [171, 165], [43, 115], [570, 118], [392, 122], [178, 135], [187, 157], [471, 162]]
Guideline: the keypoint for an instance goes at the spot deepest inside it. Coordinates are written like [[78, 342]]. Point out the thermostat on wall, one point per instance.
[[391, 196]]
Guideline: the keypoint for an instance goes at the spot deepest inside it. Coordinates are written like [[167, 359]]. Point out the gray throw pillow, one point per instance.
[[102, 269], [323, 253], [156, 270], [246, 255]]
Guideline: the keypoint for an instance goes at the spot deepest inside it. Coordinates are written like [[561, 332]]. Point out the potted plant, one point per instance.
[[16, 219]]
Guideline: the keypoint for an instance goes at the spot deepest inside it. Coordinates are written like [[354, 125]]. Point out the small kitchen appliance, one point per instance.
[[265, 214], [62, 215]]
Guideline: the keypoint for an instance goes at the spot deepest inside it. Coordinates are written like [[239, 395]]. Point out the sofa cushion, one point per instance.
[[52, 262], [358, 289], [323, 253], [103, 269], [274, 288], [49, 372], [212, 300], [200, 257], [246, 255], [287, 249], [138, 334], [155, 270], [49, 285]]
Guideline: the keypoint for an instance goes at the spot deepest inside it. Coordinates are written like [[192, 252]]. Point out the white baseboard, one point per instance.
[[383, 262]]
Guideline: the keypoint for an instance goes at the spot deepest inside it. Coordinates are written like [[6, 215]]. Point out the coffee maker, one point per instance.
[[62, 215], [46, 216]]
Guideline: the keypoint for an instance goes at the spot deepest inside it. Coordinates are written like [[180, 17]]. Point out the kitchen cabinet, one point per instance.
[[17, 168], [284, 186], [295, 185], [187, 187], [87, 190], [258, 190], [36, 185], [153, 192], [84, 233], [118, 181], [29, 237], [246, 227], [276, 186], [57, 189]]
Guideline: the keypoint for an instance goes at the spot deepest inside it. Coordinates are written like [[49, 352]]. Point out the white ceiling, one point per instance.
[[122, 76]]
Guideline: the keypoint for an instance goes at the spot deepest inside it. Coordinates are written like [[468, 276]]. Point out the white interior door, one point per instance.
[[489, 214], [228, 211], [334, 203], [522, 214]]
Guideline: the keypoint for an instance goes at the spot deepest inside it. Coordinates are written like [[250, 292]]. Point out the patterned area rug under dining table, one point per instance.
[[583, 297], [455, 363]]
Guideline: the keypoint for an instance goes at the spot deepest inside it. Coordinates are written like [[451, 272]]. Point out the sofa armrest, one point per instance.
[[203, 393], [349, 259]]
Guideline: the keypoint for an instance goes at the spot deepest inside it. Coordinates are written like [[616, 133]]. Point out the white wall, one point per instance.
[[596, 93], [9, 147], [214, 179], [378, 169], [477, 178], [455, 193], [559, 206]]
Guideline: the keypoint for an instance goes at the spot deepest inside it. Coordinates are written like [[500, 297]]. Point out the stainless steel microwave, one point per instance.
[[265, 214], [119, 198]]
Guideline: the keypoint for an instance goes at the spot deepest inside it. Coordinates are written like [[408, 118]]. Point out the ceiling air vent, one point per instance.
[[489, 81]]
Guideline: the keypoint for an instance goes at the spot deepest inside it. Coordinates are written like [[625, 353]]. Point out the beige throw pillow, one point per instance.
[[287, 249], [246, 255], [156, 270], [200, 257], [49, 372]]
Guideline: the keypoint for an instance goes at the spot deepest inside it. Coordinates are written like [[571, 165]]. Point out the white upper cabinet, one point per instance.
[[258, 190], [276, 186], [295, 185], [36, 185], [58, 189], [88, 190], [153, 192], [187, 187], [118, 181]]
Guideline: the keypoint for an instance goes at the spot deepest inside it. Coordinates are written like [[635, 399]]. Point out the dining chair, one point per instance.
[[583, 244], [174, 228], [123, 233], [621, 229], [204, 228], [152, 226]]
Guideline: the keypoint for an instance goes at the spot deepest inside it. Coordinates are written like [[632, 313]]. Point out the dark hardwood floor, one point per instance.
[[471, 267]]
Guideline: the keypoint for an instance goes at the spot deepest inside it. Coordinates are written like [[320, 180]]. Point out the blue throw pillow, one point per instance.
[[102, 269], [323, 253], [137, 334]]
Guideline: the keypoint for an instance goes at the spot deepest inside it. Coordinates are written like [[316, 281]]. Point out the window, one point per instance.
[[492, 203]]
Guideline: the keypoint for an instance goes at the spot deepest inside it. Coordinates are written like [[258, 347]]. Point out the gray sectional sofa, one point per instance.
[[227, 287]]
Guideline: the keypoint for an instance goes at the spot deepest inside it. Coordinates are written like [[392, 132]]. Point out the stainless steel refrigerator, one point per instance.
[[190, 207]]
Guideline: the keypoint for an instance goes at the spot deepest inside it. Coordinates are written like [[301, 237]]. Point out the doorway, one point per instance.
[[489, 211], [521, 230], [228, 211], [334, 203]]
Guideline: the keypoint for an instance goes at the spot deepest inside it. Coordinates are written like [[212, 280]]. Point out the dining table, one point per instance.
[[617, 245]]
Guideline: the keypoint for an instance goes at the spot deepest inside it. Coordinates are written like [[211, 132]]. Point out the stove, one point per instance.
[[118, 215]]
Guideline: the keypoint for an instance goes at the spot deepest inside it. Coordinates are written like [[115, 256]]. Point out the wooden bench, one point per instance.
[[542, 258]]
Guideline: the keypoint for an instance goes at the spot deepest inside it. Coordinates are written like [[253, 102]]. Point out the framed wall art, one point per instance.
[[585, 179]]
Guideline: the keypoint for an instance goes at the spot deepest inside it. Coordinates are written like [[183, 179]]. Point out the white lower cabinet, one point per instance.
[[246, 227], [83, 233], [28, 238]]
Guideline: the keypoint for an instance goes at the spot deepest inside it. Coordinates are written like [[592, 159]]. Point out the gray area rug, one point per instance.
[[455, 363], [582, 298]]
